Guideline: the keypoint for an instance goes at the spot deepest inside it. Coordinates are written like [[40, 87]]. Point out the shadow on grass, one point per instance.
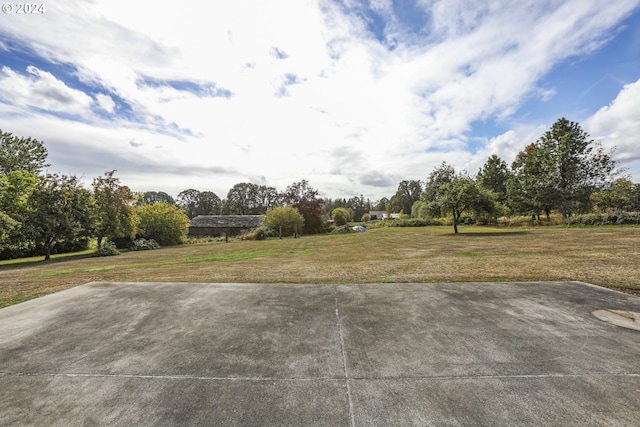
[[491, 234], [17, 264]]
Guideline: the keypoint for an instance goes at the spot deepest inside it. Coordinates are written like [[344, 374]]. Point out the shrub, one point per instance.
[[107, 248], [342, 229], [259, 233], [527, 221], [340, 216], [621, 218], [166, 224], [365, 217], [287, 217], [123, 242], [410, 222], [143, 244]]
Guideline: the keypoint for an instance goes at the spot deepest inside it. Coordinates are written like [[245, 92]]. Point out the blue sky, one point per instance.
[[353, 96]]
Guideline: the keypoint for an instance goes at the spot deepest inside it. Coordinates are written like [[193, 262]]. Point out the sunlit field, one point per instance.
[[606, 256]]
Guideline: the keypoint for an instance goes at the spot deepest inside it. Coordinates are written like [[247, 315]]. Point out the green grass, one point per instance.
[[605, 256]]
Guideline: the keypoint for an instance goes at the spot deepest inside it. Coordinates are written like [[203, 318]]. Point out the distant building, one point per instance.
[[218, 225], [382, 215]]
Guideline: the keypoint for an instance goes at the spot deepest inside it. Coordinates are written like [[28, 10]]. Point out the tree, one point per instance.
[[407, 194], [461, 195], [532, 187], [303, 197], [359, 206], [189, 201], [443, 174], [380, 205], [634, 198], [25, 154], [341, 216], [209, 203], [267, 198], [494, 176], [285, 218], [559, 171], [114, 210], [166, 224], [15, 190], [8, 226], [617, 196], [195, 202], [454, 193], [151, 197], [59, 211], [582, 164], [246, 198]]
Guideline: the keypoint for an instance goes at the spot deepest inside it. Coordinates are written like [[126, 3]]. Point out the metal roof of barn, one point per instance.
[[227, 221]]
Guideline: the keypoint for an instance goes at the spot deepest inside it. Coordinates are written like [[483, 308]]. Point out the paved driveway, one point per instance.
[[331, 355]]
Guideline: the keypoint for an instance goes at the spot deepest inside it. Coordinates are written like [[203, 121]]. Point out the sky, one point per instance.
[[353, 96]]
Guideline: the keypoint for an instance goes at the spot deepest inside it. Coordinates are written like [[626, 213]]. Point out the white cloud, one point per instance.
[[105, 102], [617, 125], [40, 89], [506, 145]]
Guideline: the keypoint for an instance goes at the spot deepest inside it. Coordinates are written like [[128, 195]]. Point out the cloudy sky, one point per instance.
[[353, 96]]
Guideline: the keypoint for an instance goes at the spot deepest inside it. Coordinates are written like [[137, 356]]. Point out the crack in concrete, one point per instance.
[[344, 356]]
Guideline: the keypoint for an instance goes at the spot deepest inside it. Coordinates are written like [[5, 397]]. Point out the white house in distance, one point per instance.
[[382, 215]]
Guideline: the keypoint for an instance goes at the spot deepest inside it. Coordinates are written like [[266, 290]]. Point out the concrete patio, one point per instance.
[[165, 354]]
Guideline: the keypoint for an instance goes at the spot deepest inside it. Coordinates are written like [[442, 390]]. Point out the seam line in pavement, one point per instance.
[[163, 377], [273, 379], [344, 356]]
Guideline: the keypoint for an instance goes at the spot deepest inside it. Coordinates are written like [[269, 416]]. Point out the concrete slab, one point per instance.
[[255, 354]]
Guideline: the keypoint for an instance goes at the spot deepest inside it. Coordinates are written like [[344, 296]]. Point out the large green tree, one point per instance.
[[60, 211], [461, 195], [26, 154], [196, 202], [582, 164], [449, 193], [441, 175], [209, 203], [531, 189], [407, 194], [15, 190], [246, 198], [494, 176], [151, 197], [114, 210], [559, 171]]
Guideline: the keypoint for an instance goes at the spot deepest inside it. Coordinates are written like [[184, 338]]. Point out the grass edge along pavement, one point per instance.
[[604, 256]]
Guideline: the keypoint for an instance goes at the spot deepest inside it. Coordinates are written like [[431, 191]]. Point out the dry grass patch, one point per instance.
[[606, 256]]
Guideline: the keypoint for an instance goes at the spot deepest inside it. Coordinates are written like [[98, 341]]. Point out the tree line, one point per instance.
[[563, 171], [43, 213]]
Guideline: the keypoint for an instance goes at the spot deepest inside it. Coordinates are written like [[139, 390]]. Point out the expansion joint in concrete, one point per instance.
[[344, 356]]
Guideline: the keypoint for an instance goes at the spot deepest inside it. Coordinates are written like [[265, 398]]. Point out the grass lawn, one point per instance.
[[607, 256]]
